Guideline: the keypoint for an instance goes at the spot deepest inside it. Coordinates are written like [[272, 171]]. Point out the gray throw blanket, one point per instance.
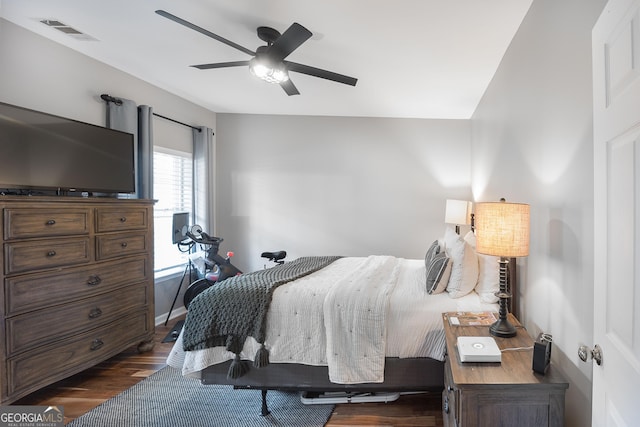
[[229, 312]]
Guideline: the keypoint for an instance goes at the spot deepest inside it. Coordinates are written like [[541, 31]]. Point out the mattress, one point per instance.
[[296, 325]]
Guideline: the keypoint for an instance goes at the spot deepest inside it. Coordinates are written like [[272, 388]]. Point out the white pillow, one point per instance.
[[464, 268], [488, 273]]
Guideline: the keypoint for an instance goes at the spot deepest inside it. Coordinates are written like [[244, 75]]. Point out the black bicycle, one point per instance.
[[219, 268]]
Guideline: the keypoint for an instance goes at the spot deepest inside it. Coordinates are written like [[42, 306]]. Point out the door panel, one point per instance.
[[616, 91]]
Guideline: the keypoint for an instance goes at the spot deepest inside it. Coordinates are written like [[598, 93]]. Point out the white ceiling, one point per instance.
[[412, 58]]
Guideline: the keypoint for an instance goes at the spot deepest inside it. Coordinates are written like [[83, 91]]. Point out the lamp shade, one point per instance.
[[457, 212], [502, 229]]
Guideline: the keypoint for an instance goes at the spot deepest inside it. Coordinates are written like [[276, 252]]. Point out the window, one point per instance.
[[172, 188]]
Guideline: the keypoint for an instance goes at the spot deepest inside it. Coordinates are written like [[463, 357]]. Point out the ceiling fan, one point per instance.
[[268, 61]]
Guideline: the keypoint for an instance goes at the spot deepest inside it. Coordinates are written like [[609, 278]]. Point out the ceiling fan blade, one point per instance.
[[289, 41], [289, 87], [205, 32], [220, 65], [323, 74]]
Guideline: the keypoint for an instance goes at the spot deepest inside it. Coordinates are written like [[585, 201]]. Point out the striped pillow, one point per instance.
[[438, 269]]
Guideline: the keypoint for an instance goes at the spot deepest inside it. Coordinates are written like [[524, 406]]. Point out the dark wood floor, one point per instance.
[[86, 390]]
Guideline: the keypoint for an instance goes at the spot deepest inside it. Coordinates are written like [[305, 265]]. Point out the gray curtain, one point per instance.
[[145, 152], [203, 178], [126, 116]]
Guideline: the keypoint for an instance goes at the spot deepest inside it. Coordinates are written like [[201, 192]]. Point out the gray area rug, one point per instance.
[[167, 399]]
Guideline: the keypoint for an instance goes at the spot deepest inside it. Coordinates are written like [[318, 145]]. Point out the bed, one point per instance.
[[358, 324]]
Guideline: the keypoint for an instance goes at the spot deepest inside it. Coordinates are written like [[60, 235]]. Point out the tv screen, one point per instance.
[[180, 227], [40, 151]]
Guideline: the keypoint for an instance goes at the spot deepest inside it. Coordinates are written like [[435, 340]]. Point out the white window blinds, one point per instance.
[[172, 188]]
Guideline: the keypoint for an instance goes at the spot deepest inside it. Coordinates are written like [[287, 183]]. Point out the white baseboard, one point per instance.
[[175, 313]]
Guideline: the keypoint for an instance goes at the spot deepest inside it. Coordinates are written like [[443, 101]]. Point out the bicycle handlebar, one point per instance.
[[204, 238]]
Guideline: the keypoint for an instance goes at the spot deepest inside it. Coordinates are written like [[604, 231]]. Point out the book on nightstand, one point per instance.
[[473, 318]]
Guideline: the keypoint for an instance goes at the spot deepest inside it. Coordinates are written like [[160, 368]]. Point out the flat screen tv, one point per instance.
[[44, 152]]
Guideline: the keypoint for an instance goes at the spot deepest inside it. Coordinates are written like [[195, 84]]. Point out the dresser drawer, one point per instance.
[[33, 370], [25, 223], [120, 244], [51, 324], [40, 254], [121, 219], [40, 290]]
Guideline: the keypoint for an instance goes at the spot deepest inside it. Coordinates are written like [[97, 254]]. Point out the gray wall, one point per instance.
[[40, 74], [336, 185], [532, 142]]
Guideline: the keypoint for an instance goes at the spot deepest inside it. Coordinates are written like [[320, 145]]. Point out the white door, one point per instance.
[[616, 92]]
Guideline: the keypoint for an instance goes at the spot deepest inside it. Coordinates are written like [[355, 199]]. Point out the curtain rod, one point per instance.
[[109, 98]]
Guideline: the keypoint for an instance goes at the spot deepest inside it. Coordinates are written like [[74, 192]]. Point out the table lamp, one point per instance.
[[502, 230], [458, 212]]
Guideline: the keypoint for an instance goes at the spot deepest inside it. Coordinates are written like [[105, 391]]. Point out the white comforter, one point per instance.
[[410, 326], [355, 311]]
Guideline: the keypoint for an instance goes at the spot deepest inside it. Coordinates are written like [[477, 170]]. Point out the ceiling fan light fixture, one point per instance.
[[267, 72]]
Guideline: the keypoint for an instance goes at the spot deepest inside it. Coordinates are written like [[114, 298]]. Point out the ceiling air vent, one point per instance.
[[70, 31]]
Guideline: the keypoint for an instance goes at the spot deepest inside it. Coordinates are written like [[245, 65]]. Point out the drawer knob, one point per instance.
[[96, 344], [94, 280], [95, 313], [51, 253], [51, 222], [123, 219], [123, 244]]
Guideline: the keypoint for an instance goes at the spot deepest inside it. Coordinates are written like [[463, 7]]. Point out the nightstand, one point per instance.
[[508, 393]]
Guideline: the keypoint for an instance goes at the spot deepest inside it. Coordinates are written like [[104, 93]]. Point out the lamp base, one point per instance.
[[503, 328]]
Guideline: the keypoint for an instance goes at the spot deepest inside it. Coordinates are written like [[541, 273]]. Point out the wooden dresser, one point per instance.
[[77, 278], [499, 394]]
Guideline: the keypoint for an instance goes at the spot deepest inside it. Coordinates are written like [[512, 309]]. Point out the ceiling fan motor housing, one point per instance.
[[268, 35]]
